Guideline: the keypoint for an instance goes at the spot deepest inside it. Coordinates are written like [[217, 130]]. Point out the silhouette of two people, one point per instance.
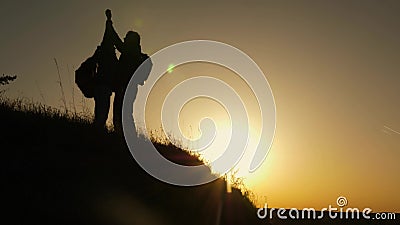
[[113, 74]]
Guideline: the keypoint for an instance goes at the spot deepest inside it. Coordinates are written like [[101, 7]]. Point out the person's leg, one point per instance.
[[106, 107], [129, 110], [117, 110], [117, 107], [102, 106]]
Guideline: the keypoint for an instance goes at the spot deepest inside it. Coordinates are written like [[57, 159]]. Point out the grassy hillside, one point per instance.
[[59, 170]]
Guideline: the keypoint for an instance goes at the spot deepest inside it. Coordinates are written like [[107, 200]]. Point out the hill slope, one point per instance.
[[59, 170]]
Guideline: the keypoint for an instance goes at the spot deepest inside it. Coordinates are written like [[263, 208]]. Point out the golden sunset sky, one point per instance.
[[333, 66]]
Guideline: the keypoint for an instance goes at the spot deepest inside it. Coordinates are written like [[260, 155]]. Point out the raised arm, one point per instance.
[[112, 34]]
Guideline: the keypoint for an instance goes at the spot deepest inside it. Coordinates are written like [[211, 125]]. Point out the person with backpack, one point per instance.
[[107, 61], [130, 59]]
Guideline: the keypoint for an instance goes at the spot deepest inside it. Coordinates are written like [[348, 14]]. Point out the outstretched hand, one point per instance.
[[108, 14]]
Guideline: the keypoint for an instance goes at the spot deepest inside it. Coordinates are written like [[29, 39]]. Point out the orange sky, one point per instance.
[[333, 68]]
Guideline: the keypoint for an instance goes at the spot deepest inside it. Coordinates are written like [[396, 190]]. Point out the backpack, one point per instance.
[[146, 69], [128, 68], [85, 77]]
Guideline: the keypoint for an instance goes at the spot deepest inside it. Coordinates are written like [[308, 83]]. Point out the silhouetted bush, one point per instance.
[[6, 79]]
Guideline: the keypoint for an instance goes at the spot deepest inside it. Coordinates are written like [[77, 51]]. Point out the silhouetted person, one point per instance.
[[130, 59], [106, 69]]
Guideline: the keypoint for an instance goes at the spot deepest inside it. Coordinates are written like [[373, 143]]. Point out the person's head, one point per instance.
[[108, 14], [132, 38]]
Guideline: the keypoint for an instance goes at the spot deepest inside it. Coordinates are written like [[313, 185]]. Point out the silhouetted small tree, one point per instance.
[[6, 79]]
